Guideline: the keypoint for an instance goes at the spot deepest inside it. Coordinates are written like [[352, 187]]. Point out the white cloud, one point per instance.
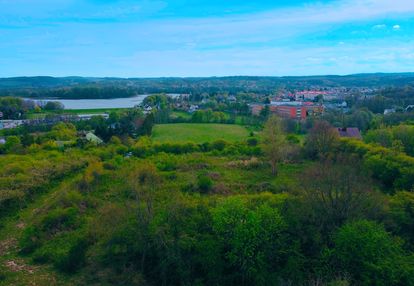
[[379, 26], [396, 27], [252, 44]]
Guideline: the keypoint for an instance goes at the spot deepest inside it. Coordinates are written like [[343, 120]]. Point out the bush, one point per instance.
[[66, 252], [59, 220], [393, 169], [30, 240], [165, 162], [252, 141], [371, 255], [219, 145], [75, 257], [293, 139], [204, 184]]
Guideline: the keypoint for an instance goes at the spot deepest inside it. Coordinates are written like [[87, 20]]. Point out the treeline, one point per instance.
[[17, 108], [232, 85], [84, 92], [386, 98]]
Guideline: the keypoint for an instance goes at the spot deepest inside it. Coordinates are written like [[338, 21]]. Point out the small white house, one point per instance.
[[93, 138], [389, 111], [193, 108]]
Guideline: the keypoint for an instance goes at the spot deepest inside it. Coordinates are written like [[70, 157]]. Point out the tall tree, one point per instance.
[[274, 142], [321, 139], [340, 191]]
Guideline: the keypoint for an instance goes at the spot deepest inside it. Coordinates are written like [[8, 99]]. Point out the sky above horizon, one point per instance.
[[151, 38]]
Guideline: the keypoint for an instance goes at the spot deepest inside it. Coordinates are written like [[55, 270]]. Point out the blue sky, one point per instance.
[[152, 38]]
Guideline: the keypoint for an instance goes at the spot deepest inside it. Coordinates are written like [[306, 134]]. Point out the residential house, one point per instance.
[[93, 138], [349, 132]]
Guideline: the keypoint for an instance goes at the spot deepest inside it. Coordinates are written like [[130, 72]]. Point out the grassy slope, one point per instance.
[[16, 269], [198, 133], [228, 178]]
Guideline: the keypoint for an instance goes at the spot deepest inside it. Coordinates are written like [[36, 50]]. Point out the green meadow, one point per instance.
[[198, 133]]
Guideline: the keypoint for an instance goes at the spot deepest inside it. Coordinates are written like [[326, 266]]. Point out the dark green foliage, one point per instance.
[[393, 169], [293, 139], [131, 123], [401, 216], [399, 138], [252, 141], [75, 258], [209, 116], [60, 220], [54, 105], [138, 212], [218, 145], [204, 183], [147, 125], [254, 244], [369, 254], [12, 108]]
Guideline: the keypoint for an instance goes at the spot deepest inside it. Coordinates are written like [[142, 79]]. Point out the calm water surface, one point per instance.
[[98, 103]]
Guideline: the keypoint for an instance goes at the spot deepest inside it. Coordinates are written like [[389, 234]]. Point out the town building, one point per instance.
[[389, 111], [349, 132], [9, 124], [290, 109]]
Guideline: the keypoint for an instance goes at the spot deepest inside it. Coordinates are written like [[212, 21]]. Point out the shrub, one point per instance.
[[252, 141], [30, 240], [75, 257], [293, 139], [165, 162], [60, 219], [204, 184], [219, 145], [371, 255], [66, 252]]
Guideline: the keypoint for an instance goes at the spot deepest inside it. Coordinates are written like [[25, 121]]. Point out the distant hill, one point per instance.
[[62, 87]]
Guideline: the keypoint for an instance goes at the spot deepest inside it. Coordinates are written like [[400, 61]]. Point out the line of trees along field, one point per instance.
[[275, 208]]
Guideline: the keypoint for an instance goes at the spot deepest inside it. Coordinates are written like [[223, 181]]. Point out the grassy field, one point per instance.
[[198, 133]]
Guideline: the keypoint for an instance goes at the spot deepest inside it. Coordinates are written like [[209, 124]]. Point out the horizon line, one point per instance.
[[210, 76]]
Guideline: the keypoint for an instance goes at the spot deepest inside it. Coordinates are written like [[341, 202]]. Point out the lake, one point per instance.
[[97, 103]]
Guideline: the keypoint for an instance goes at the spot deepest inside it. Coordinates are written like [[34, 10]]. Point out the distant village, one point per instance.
[[292, 104]]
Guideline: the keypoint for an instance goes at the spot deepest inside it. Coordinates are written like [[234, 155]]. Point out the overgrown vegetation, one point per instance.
[[206, 204]]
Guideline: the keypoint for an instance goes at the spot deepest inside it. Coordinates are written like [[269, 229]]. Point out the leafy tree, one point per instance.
[[361, 119], [63, 131], [54, 105], [13, 144], [370, 255], [337, 192], [159, 101], [12, 107], [148, 125], [253, 241], [380, 136], [274, 142], [265, 112], [401, 216], [321, 140]]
